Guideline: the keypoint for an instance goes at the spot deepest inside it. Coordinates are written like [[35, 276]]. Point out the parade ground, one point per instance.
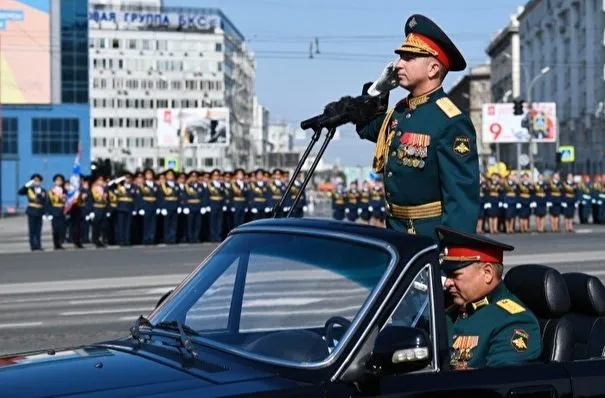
[[75, 296]]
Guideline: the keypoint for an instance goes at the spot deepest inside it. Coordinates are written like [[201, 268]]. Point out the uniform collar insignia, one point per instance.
[[479, 304], [414, 102]]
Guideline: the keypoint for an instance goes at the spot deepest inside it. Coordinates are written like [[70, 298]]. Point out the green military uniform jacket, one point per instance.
[[429, 158], [495, 331]]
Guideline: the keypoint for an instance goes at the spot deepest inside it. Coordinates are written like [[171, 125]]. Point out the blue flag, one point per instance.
[[73, 192]]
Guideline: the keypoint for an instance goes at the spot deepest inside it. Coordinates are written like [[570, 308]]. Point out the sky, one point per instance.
[[356, 39]]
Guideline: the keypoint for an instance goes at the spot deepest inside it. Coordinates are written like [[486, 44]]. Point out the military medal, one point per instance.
[[415, 162], [394, 124], [421, 164]]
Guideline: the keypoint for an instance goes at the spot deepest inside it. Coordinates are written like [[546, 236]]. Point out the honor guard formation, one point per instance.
[[509, 200], [148, 208]]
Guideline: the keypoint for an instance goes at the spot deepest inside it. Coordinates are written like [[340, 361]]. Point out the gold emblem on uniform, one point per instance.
[[520, 340], [463, 351], [462, 145]]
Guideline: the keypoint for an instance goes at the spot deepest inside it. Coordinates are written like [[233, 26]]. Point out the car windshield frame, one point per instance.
[[362, 313]]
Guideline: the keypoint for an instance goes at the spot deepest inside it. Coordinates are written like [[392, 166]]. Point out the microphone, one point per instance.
[[386, 82]]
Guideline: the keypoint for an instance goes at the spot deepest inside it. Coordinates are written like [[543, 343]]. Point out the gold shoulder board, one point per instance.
[[510, 306], [448, 107]]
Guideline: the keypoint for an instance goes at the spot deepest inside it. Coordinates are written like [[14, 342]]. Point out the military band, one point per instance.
[[148, 208]]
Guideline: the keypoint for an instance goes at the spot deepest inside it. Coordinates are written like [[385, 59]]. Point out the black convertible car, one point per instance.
[[376, 329]]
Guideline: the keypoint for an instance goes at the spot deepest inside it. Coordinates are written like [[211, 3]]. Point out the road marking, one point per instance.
[[103, 312], [19, 325]]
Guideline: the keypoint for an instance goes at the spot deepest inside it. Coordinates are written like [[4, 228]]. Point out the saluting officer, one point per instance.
[[149, 193], [169, 202], [56, 201], [425, 146], [240, 191], [36, 204], [216, 199], [100, 201], [126, 193], [487, 325]]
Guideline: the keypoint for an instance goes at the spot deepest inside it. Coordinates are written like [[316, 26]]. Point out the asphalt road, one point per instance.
[[61, 298]]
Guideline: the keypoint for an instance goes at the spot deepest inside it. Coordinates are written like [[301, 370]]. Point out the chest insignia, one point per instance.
[[520, 340], [448, 107], [510, 306], [462, 145]]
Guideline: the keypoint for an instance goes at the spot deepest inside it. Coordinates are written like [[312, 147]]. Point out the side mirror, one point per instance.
[[400, 349], [164, 296]]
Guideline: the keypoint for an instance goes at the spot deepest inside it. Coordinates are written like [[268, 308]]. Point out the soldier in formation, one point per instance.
[[149, 208]]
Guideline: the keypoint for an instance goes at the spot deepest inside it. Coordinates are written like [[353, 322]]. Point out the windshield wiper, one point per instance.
[[183, 338]]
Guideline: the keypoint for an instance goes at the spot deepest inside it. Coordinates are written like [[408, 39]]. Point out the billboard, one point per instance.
[[25, 52], [197, 127], [501, 125]]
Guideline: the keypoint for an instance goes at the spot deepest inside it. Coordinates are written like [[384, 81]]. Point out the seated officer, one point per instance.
[[487, 325]]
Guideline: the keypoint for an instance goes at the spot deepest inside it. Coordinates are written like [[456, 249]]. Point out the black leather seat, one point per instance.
[[544, 291], [587, 295]]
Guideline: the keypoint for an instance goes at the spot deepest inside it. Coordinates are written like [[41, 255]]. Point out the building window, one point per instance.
[[208, 162], [218, 47], [220, 66], [55, 136], [9, 136]]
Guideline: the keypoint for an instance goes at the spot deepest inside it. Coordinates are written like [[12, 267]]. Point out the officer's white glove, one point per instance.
[[108, 214], [267, 210], [254, 211], [134, 212], [358, 211], [594, 200], [203, 210], [179, 210], [533, 205], [499, 204], [599, 202], [382, 209], [564, 205], [370, 209], [505, 205], [141, 212], [576, 205], [224, 208], [91, 216], [347, 211], [208, 209], [87, 218], [29, 183], [305, 209], [186, 210], [233, 210], [487, 206], [549, 204], [246, 210], [519, 205], [164, 212]]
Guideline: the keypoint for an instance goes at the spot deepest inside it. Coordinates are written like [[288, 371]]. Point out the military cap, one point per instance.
[[259, 170], [276, 171], [126, 173], [139, 173], [59, 175], [215, 171], [205, 174], [238, 170], [36, 175], [169, 171], [193, 173], [425, 37], [460, 249], [227, 174]]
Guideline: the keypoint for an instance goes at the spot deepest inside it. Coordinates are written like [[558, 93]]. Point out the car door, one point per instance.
[[587, 377], [532, 380]]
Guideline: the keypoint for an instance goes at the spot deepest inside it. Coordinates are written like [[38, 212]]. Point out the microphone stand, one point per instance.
[[314, 139], [329, 136]]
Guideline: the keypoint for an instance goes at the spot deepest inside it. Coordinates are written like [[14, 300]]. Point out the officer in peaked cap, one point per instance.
[[425, 146], [36, 204], [487, 325]]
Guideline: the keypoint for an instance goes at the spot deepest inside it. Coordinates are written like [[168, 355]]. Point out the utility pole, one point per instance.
[[544, 71]]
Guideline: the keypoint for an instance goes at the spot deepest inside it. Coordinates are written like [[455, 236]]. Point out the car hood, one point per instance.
[[121, 369]]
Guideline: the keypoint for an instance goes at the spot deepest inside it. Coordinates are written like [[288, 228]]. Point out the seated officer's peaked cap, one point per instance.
[[460, 249], [424, 37]]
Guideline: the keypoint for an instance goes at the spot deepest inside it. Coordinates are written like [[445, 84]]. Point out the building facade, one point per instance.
[[147, 58], [469, 94], [43, 94], [504, 51], [259, 133], [568, 36]]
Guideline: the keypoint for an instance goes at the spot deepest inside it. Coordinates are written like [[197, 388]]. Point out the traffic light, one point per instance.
[[518, 106]]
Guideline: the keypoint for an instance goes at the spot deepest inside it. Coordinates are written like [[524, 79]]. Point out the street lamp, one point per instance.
[[529, 86]]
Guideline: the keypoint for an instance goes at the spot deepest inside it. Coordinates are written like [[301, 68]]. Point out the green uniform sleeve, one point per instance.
[[369, 131], [458, 163], [516, 342]]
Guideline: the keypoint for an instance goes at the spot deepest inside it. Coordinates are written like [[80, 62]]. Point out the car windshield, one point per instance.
[[275, 294]]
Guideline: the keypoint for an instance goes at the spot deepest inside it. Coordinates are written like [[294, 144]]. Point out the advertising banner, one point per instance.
[[207, 127], [501, 125]]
